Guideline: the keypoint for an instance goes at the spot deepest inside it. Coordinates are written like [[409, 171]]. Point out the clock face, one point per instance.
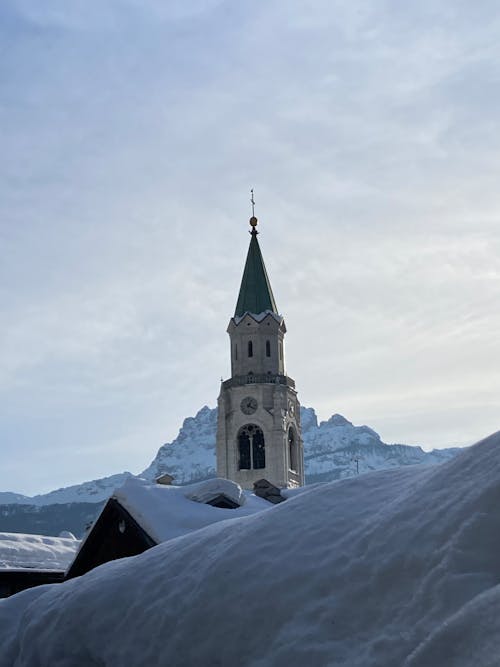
[[248, 405]]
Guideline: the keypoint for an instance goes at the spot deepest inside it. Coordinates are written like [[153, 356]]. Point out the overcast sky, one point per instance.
[[130, 134]]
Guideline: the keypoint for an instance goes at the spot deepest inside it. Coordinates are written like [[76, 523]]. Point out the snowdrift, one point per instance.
[[397, 568]]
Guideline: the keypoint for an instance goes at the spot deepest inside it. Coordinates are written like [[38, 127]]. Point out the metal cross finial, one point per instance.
[[253, 220]]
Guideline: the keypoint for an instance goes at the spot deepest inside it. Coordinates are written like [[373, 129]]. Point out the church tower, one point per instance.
[[258, 428]]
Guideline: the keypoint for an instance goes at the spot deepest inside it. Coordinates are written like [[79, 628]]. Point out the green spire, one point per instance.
[[256, 294]]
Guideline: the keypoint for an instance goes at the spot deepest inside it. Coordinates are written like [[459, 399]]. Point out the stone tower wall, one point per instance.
[[261, 380], [265, 358]]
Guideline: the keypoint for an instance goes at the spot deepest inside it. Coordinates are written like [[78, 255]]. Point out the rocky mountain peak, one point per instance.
[[334, 449], [338, 420]]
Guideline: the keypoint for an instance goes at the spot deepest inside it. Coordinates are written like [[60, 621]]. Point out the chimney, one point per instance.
[[165, 479]]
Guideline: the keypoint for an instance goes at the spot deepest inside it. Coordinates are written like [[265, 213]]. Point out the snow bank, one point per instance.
[[18, 551], [398, 568]]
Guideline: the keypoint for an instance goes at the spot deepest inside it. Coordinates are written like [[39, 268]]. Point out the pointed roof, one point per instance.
[[256, 295]]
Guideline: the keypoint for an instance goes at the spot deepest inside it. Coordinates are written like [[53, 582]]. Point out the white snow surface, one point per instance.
[[165, 512], [396, 568], [19, 552]]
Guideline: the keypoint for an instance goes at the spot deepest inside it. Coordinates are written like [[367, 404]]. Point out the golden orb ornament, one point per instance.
[[253, 221]]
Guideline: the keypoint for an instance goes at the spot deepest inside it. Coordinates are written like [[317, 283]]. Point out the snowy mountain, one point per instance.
[[394, 568], [191, 456], [7, 498], [48, 519], [330, 450], [333, 449], [71, 508], [94, 491], [336, 449]]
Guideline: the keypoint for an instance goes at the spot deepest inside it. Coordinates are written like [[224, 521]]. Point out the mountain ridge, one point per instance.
[[330, 449], [333, 449], [92, 491]]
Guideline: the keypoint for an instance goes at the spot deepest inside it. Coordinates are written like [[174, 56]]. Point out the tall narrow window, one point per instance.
[[258, 450], [250, 348], [281, 351], [236, 352], [251, 448], [244, 462], [268, 348], [292, 449]]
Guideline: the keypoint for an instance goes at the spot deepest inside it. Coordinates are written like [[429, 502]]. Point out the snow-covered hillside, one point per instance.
[[71, 508], [397, 568], [94, 491], [8, 498]]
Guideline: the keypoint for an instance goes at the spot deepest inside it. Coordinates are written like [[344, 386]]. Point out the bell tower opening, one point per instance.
[[251, 448]]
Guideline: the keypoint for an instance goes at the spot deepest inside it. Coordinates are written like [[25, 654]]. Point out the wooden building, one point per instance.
[[15, 581], [32, 560], [138, 516]]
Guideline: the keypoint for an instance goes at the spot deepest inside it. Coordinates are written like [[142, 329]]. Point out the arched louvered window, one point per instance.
[[251, 448]]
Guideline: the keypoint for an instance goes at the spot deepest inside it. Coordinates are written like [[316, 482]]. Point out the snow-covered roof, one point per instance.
[[40, 552], [165, 512]]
